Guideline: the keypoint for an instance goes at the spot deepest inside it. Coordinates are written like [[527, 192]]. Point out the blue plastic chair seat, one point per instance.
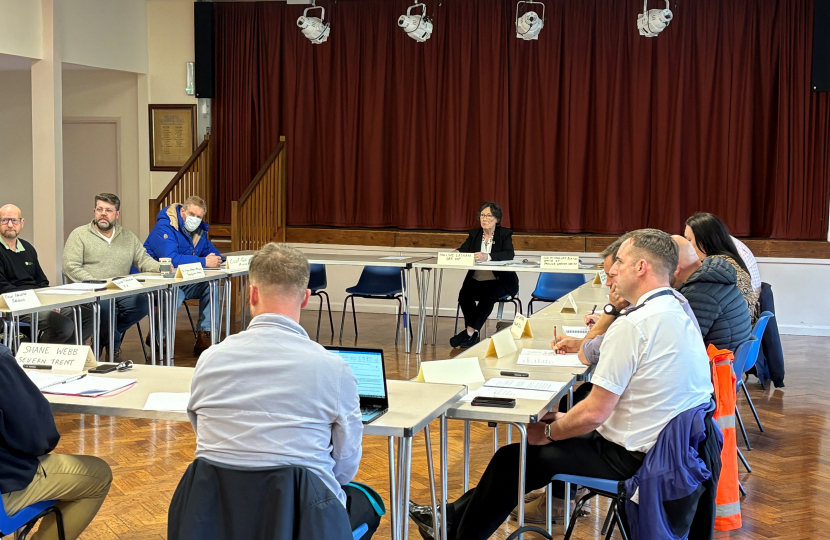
[[598, 484], [358, 533], [552, 286], [378, 281], [317, 279], [9, 524]]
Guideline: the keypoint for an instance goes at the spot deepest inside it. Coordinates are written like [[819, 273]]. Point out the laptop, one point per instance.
[[370, 371]]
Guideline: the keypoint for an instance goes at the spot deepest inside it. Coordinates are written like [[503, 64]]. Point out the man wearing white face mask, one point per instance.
[[181, 235]]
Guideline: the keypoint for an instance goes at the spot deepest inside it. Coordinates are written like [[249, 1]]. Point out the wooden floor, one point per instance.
[[789, 488]]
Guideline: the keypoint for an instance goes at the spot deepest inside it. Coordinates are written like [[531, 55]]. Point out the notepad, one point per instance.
[[89, 386], [45, 380], [494, 263], [545, 357], [75, 288], [575, 331], [512, 393], [167, 401], [526, 384], [393, 258]]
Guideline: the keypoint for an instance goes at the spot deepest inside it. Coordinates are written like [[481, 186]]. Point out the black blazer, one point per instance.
[[502, 250]]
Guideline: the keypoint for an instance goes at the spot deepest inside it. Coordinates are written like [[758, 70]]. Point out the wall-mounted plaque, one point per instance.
[[172, 136]]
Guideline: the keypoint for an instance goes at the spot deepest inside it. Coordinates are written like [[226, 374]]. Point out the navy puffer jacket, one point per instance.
[[718, 304]]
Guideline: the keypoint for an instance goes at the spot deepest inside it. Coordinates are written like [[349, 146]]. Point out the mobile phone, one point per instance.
[[94, 281], [104, 368], [507, 403]]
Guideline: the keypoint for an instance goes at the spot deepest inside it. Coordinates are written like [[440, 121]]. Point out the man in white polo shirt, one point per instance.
[[652, 367]]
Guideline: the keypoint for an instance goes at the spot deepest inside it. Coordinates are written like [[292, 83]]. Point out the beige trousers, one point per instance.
[[81, 483]]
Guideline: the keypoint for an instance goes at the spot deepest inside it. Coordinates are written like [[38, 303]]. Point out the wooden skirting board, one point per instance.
[[575, 243]]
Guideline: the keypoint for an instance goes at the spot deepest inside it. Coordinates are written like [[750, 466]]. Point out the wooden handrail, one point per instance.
[[194, 178], [262, 171]]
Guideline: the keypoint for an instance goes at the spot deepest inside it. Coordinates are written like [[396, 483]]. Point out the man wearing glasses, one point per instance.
[[21, 271], [103, 250]]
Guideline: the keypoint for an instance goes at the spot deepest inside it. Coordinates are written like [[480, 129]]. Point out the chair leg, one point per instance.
[[328, 306], [741, 487], [354, 318], [608, 518], [520, 305], [319, 317], [743, 460], [343, 318], [743, 429], [530, 307], [457, 310], [189, 318], [618, 520], [398, 320], [751, 406], [500, 312], [141, 340]]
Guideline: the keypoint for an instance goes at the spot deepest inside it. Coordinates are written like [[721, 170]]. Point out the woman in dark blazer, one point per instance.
[[483, 288]]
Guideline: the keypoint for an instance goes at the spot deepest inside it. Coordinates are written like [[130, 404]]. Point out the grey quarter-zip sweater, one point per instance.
[[87, 255]]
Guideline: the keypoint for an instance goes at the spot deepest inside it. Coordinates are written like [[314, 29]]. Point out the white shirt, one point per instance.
[[750, 262], [107, 238], [270, 396], [485, 275], [654, 359]]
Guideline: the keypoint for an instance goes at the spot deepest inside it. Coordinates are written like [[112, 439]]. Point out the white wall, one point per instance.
[[21, 28], [109, 34], [111, 94], [16, 144], [799, 286]]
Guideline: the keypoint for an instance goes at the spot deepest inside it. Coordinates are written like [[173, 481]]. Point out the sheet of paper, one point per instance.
[[89, 386], [167, 401], [393, 258], [43, 380], [514, 393], [80, 287], [152, 277], [546, 357], [527, 384], [575, 331], [494, 263], [455, 371]]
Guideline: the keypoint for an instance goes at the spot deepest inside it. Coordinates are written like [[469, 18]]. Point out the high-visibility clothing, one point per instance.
[[728, 501]]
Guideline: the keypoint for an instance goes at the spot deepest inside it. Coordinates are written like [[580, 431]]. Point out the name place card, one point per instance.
[[69, 358], [465, 260], [190, 270], [18, 300], [560, 262], [239, 262], [521, 327], [570, 305], [128, 283]]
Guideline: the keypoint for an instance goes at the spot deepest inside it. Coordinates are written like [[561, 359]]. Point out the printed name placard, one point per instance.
[[600, 278], [190, 270], [69, 358], [570, 305], [128, 283], [501, 344], [19, 300], [560, 262], [457, 259], [239, 262], [521, 327]]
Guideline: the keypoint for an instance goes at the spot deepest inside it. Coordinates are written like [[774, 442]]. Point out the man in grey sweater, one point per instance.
[[103, 250]]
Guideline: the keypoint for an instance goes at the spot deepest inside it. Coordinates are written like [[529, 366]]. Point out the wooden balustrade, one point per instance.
[[194, 178], [258, 217]]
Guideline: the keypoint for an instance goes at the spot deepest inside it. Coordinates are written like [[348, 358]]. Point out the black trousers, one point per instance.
[[482, 510], [56, 327], [360, 511], [486, 293]]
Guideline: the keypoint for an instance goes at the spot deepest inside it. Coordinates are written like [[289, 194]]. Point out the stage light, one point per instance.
[[314, 28], [529, 24], [653, 21], [418, 27]]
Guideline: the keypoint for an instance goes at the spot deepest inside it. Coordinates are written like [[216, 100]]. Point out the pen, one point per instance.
[[594, 310], [36, 366], [554, 334], [514, 374]]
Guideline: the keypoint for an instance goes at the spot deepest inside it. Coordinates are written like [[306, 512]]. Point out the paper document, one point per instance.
[[393, 258], [514, 393], [152, 277], [167, 401], [586, 266], [45, 380], [455, 371], [75, 288], [545, 357], [526, 384], [576, 331], [89, 386], [493, 263]]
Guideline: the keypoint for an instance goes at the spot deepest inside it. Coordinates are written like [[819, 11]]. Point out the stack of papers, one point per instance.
[[89, 386], [494, 263], [45, 380], [576, 331], [517, 389], [547, 357], [75, 288], [167, 401]]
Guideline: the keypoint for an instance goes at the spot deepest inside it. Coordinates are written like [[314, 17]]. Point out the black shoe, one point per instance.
[[472, 340], [422, 516], [459, 338]]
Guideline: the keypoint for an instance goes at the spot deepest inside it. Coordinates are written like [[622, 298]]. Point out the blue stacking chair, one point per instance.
[[380, 283], [758, 334], [317, 282], [28, 517], [552, 286]]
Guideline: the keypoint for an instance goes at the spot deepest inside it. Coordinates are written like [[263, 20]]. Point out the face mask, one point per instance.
[[191, 223]]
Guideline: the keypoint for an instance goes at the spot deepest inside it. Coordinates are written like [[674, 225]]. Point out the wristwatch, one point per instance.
[[609, 309], [547, 433]]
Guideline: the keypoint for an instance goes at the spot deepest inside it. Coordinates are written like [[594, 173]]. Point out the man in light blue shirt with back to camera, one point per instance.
[[270, 396]]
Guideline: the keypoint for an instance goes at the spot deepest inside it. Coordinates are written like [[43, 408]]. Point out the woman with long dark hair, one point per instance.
[[710, 237]]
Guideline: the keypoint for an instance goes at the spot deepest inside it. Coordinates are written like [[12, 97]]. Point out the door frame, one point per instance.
[[104, 120]]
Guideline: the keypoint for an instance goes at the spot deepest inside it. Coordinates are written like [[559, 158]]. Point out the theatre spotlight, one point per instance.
[[314, 28], [653, 21], [418, 27], [529, 24]]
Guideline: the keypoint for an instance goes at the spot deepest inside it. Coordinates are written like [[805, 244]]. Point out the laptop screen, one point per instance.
[[367, 366]]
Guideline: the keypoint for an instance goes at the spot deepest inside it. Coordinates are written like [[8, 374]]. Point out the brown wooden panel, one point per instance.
[[220, 230], [544, 242], [432, 240], [351, 237], [796, 249], [595, 244]]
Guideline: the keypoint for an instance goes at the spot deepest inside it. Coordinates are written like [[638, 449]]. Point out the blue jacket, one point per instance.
[[170, 239], [671, 479]]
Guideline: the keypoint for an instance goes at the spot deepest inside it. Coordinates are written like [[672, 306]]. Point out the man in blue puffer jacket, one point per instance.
[[181, 234]]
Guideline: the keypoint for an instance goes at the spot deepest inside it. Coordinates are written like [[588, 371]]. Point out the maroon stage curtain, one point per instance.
[[592, 128]]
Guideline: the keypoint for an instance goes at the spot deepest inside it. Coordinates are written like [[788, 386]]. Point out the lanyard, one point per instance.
[[664, 292]]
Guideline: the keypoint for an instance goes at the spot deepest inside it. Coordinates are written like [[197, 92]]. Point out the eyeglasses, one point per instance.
[[11, 220], [104, 211], [486, 216], [126, 365]]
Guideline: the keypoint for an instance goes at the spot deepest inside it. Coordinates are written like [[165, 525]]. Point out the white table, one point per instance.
[[412, 406]]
